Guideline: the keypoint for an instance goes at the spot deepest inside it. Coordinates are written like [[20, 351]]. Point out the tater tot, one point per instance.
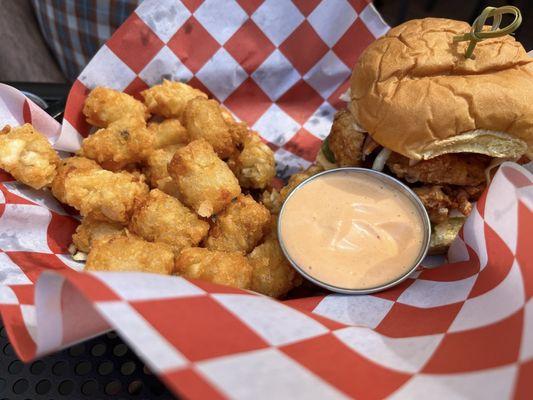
[[156, 164], [130, 253], [203, 120], [66, 167], [169, 99], [163, 218], [118, 145], [90, 230], [272, 274], [231, 269], [254, 166], [238, 130], [298, 178], [205, 182], [239, 227], [273, 199], [104, 195], [104, 106], [156, 170], [27, 155], [168, 132]]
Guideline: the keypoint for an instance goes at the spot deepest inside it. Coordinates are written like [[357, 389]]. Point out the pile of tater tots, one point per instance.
[[170, 185]]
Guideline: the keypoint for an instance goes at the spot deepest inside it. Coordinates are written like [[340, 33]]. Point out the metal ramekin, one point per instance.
[[384, 178]]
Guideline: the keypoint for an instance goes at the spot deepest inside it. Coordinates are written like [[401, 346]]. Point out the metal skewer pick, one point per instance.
[[477, 33]]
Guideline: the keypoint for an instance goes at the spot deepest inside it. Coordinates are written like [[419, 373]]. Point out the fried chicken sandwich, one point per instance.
[[418, 109]]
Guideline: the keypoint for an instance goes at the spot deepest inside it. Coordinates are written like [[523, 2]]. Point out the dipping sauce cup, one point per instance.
[[354, 230]]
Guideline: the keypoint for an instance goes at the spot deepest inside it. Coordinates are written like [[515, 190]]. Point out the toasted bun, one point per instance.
[[415, 92]]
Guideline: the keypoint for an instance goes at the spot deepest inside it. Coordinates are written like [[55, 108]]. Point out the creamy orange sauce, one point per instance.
[[352, 231]]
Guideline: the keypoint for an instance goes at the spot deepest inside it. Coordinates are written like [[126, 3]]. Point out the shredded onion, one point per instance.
[[381, 159], [369, 146], [455, 213], [79, 256], [410, 180], [346, 95], [358, 127]]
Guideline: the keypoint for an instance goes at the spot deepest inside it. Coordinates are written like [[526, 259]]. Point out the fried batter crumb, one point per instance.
[[163, 218], [203, 120], [104, 106], [170, 98], [205, 182], [27, 155], [231, 269], [345, 142], [272, 273], [254, 166], [91, 229], [239, 227], [451, 169], [118, 145], [439, 200], [168, 133], [103, 195], [130, 253]]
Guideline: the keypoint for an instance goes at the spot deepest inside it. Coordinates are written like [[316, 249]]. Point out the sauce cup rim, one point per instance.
[[410, 194]]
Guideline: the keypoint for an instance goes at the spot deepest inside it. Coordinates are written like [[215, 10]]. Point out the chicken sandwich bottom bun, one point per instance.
[[440, 122]]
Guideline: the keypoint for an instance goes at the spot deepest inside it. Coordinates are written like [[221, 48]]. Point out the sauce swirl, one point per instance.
[[352, 230]]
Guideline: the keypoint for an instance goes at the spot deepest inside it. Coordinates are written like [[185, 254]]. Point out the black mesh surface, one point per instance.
[[101, 368]]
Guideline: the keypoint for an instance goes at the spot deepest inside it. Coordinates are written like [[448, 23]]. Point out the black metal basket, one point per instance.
[[101, 368]]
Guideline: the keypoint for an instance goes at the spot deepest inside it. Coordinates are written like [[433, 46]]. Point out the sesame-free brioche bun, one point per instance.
[[415, 93]]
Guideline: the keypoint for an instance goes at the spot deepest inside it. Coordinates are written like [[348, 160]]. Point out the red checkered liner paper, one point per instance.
[[463, 330]]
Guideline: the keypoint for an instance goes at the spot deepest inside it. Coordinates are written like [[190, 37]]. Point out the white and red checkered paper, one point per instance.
[[462, 330]]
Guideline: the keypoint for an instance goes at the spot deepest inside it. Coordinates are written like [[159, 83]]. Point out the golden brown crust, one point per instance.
[[254, 166], [103, 195], [452, 169], [272, 273], [169, 99], [67, 166], [104, 106], [440, 200], [28, 155], [414, 87], [205, 182], [156, 166], [162, 218], [203, 120], [239, 227], [344, 141], [169, 132], [90, 230], [273, 199], [118, 145], [298, 178], [231, 269], [130, 253]]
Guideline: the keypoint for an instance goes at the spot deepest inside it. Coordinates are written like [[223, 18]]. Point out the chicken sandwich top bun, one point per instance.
[[423, 112], [415, 92]]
